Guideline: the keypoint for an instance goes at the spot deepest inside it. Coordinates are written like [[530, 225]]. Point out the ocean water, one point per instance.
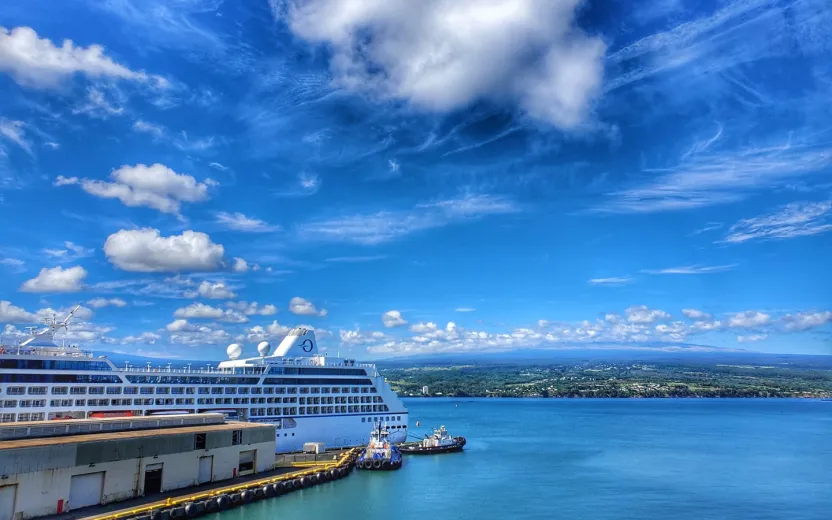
[[594, 459]]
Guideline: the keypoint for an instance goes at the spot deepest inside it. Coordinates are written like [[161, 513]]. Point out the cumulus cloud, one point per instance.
[[253, 308], [12, 314], [392, 319], [207, 312], [37, 62], [806, 320], [421, 328], [145, 338], [215, 291], [240, 222], [98, 303], [643, 314], [749, 319], [303, 307], [155, 186], [56, 279], [442, 55], [145, 250], [696, 314]]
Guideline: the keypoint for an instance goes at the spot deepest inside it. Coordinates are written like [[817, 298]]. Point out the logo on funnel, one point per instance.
[[307, 345]]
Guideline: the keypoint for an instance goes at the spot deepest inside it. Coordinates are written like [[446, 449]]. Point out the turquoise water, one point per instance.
[[595, 459]]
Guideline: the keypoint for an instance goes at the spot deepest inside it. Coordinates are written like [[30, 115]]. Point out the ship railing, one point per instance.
[[55, 351], [188, 370]]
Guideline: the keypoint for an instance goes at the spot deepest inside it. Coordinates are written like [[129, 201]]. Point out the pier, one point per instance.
[[191, 505]]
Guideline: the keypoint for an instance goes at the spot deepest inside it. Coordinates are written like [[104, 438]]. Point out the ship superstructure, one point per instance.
[[307, 395]]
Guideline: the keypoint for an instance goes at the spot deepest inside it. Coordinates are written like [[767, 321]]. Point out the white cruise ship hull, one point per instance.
[[309, 397]]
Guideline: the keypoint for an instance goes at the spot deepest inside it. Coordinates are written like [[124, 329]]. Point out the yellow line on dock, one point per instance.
[[184, 499]]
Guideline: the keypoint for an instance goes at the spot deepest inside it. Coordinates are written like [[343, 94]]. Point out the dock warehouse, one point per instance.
[[50, 467]]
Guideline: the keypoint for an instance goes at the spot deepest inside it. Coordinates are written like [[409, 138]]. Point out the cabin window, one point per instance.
[[60, 390]]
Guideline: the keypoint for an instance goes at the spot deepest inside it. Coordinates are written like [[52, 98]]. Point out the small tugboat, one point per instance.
[[440, 442], [380, 453]]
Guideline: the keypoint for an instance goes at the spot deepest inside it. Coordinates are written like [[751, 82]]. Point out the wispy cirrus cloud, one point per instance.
[[692, 269], [387, 225], [709, 178], [240, 222], [615, 280], [792, 220]]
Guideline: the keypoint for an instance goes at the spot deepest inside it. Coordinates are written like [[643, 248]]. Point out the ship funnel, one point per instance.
[[299, 342]]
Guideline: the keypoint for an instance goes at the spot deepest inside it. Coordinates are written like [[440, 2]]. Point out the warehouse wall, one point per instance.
[[41, 485]]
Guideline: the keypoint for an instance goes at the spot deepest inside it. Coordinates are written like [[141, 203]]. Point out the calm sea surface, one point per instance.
[[594, 459]]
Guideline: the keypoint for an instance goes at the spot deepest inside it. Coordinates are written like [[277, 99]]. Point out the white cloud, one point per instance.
[[806, 320], [70, 253], [218, 166], [157, 131], [465, 309], [202, 311], [179, 325], [15, 131], [692, 269], [446, 54], [144, 250], [184, 333], [145, 338], [155, 186], [610, 281], [37, 62], [643, 314], [13, 264], [749, 320], [355, 259], [240, 222], [705, 179], [696, 314], [303, 307], [394, 166], [253, 308], [384, 226], [356, 337], [239, 265], [215, 291], [56, 279], [793, 220], [392, 319], [751, 338], [98, 303], [421, 328], [12, 314], [98, 106]]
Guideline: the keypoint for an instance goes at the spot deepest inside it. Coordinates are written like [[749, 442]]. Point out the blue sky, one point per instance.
[[418, 177]]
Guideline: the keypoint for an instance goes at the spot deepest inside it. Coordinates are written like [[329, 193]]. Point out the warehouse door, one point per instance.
[[206, 467], [7, 494], [85, 490], [152, 479], [246, 463]]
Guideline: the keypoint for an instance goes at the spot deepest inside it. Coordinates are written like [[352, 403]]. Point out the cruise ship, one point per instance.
[[307, 395]]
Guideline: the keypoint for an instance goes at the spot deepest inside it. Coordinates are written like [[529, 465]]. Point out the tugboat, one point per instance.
[[440, 442], [380, 453]]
